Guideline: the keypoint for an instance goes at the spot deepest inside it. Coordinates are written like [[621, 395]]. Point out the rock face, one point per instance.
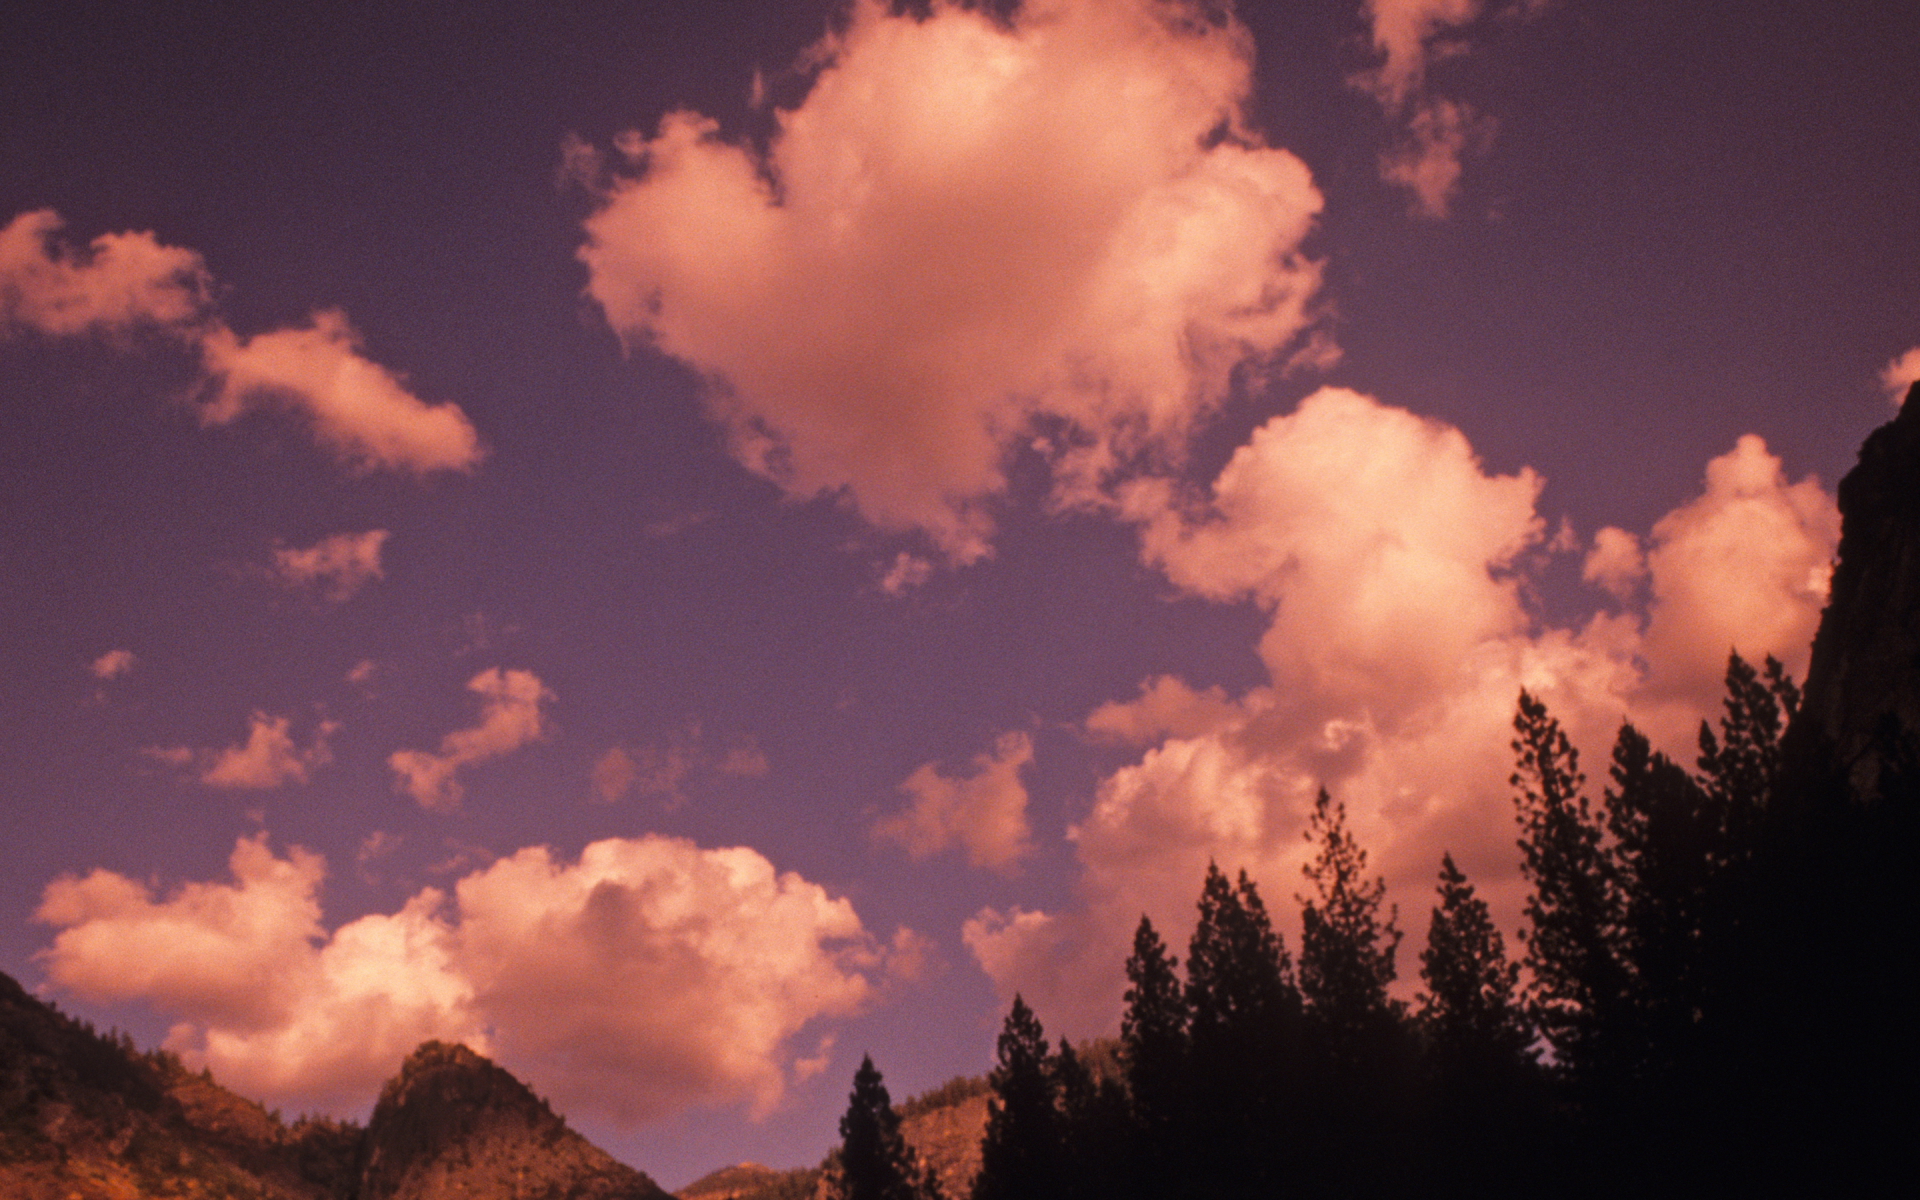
[[87, 1117], [1863, 684], [452, 1124]]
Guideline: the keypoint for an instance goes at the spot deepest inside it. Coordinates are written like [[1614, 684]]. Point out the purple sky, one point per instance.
[[978, 470]]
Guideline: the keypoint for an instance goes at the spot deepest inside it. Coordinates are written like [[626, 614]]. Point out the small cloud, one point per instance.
[[1901, 374], [123, 283], [1166, 707], [268, 758], [1616, 563], [362, 673], [510, 718], [984, 813], [614, 774], [748, 761], [376, 845], [337, 566], [112, 665], [908, 571]]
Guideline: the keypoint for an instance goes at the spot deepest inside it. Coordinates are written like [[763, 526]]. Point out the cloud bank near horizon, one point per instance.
[[534, 958]]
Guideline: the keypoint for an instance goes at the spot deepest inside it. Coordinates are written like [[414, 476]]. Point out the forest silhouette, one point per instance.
[[1711, 994]]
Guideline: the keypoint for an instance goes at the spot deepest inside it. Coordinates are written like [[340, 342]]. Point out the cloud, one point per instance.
[[967, 230], [510, 717], [357, 408], [269, 758], [906, 572], [338, 566], [1900, 374], [663, 769], [1395, 573], [1409, 36], [645, 977], [985, 813], [122, 283], [112, 665]]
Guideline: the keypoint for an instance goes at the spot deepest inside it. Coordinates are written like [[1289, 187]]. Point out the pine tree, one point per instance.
[[1244, 1022], [1738, 768], [1575, 922], [875, 1161], [1470, 1009], [1346, 949], [1095, 1134], [1153, 1043], [1021, 1151]]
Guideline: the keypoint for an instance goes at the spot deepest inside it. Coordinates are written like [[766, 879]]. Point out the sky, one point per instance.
[[682, 545]]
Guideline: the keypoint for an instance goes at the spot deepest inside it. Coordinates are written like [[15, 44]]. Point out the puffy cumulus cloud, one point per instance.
[[1394, 569], [120, 282], [968, 228], [338, 565], [125, 282], [652, 974], [510, 717], [356, 407], [1744, 567], [1900, 374], [1408, 36], [112, 665], [645, 977], [985, 813]]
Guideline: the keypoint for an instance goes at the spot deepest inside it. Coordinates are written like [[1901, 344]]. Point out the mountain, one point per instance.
[[1863, 685], [86, 1116], [451, 1123]]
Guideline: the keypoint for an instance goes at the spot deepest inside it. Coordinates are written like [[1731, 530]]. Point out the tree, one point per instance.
[[1021, 1150], [1095, 1138], [1470, 1008], [875, 1161], [1346, 950], [1574, 915], [1738, 768], [1244, 1018], [1153, 1042]]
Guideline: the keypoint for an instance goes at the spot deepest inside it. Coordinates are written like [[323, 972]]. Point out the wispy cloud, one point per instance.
[[510, 717], [268, 758], [112, 665], [1437, 133], [337, 566], [983, 813], [122, 284]]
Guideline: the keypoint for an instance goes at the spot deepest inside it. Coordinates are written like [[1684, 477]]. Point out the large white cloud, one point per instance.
[[647, 976], [966, 228], [510, 717], [123, 283], [1394, 569]]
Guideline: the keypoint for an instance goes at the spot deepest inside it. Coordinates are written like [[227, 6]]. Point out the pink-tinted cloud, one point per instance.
[[984, 813], [645, 977], [1900, 374], [968, 226], [510, 718], [268, 758], [112, 665], [126, 282], [1437, 133], [118, 283], [337, 566], [1393, 568], [357, 408]]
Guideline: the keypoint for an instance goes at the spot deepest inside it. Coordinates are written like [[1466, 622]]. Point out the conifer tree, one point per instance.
[[1739, 766], [1574, 915], [1470, 1008], [1021, 1150], [1346, 949], [875, 1161], [1153, 1042], [1244, 1017], [1095, 1138]]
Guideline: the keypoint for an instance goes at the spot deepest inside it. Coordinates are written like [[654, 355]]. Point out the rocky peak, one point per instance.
[[452, 1123], [1863, 684]]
